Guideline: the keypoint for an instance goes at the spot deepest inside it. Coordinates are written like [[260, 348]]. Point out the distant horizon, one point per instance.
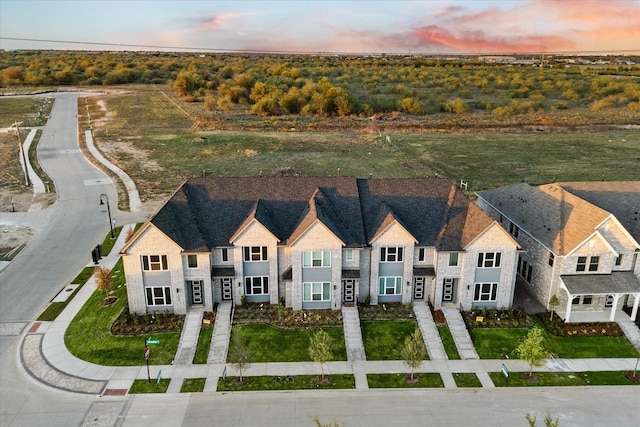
[[356, 27]]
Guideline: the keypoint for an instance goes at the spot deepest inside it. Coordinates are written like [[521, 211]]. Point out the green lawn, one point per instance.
[[55, 308], [193, 385], [269, 344], [89, 336], [383, 340], [204, 344], [466, 379], [297, 382], [519, 379], [144, 386], [431, 380], [448, 343], [499, 343], [108, 242]]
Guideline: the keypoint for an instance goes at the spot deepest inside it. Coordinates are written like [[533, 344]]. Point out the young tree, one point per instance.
[[553, 303], [239, 354], [103, 280], [413, 352], [321, 348], [532, 349]]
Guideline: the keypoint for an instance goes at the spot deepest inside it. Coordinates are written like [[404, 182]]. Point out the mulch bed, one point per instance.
[[556, 326], [285, 318], [386, 311], [438, 317], [411, 381], [633, 376], [320, 380], [108, 301], [131, 324], [493, 318]]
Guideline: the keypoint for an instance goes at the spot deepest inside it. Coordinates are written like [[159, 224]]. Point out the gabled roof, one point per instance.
[[621, 198], [556, 218], [206, 212]]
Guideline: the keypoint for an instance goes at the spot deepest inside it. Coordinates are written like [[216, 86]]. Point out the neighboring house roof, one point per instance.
[[206, 212], [621, 198], [557, 218]]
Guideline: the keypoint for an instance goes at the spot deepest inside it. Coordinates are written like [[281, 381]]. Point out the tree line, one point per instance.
[[271, 85]]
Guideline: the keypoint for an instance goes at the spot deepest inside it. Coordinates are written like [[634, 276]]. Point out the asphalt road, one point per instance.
[[76, 222]]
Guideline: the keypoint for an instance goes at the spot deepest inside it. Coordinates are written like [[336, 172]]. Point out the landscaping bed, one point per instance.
[[133, 324], [386, 311], [295, 382], [285, 318], [493, 318], [557, 327]]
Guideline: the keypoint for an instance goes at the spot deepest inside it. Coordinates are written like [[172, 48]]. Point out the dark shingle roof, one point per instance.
[[206, 212]]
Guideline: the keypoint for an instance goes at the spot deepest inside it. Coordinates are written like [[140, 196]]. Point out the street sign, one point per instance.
[[153, 341], [146, 353]]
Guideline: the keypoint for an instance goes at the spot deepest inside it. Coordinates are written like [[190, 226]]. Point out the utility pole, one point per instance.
[[24, 158]]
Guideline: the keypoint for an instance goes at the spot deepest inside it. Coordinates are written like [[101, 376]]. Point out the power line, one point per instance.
[[214, 49]]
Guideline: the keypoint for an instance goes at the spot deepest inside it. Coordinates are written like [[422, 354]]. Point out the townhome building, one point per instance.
[[580, 243], [318, 242]]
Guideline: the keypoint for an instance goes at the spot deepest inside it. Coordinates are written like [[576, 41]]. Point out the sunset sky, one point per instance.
[[392, 27]]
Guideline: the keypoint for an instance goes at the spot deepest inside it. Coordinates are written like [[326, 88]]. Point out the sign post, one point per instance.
[[147, 353]]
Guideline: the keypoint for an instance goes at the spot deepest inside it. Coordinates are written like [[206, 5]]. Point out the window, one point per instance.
[[593, 263], [453, 259], [587, 299], [489, 259], [619, 260], [552, 258], [316, 259], [524, 269], [582, 263], [255, 253], [390, 254], [575, 300], [316, 291], [256, 285], [158, 295], [350, 255], [390, 286], [192, 261], [154, 262], [225, 255], [514, 230], [421, 254], [485, 291]]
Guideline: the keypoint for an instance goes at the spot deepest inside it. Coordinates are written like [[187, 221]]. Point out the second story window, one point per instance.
[[350, 255], [154, 262], [255, 253], [316, 259], [453, 259], [593, 263], [225, 255], [551, 259], [390, 254], [192, 261], [619, 260], [489, 259], [514, 230], [421, 254], [582, 263]]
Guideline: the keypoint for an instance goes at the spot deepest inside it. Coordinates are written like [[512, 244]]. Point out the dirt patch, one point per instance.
[[11, 237], [632, 376]]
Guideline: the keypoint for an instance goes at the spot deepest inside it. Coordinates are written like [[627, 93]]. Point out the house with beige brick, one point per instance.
[[319, 242], [580, 243]]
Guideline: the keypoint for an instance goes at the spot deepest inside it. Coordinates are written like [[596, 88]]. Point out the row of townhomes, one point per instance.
[[326, 242], [579, 241], [319, 243]]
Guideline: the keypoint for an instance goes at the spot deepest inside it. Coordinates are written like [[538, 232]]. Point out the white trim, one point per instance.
[[592, 235]]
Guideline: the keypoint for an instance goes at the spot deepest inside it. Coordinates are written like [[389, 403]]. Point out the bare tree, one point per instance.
[[103, 280]]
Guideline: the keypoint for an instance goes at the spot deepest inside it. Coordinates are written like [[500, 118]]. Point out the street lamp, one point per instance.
[[108, 212]]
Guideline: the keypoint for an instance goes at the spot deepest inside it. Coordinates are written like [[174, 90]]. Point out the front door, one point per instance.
[[348, 290], [449, 291], [196, 292], [226, 288], [418, 288], [609, 301]]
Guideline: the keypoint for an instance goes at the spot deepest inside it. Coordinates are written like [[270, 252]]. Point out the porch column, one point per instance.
[[614, 307], [634, 311], [567, 312]]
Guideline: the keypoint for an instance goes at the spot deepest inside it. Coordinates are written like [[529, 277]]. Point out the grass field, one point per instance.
[[430, 380], [296, 382], [384, 340], [517, 379]]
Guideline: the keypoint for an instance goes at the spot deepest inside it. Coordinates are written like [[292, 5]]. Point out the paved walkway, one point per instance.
[[632, 332], [352, 334], [221, 334], [189, 338], [461, 337], [429, 331]]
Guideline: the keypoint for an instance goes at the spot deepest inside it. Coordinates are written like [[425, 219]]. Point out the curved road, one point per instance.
[[76, 223]]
